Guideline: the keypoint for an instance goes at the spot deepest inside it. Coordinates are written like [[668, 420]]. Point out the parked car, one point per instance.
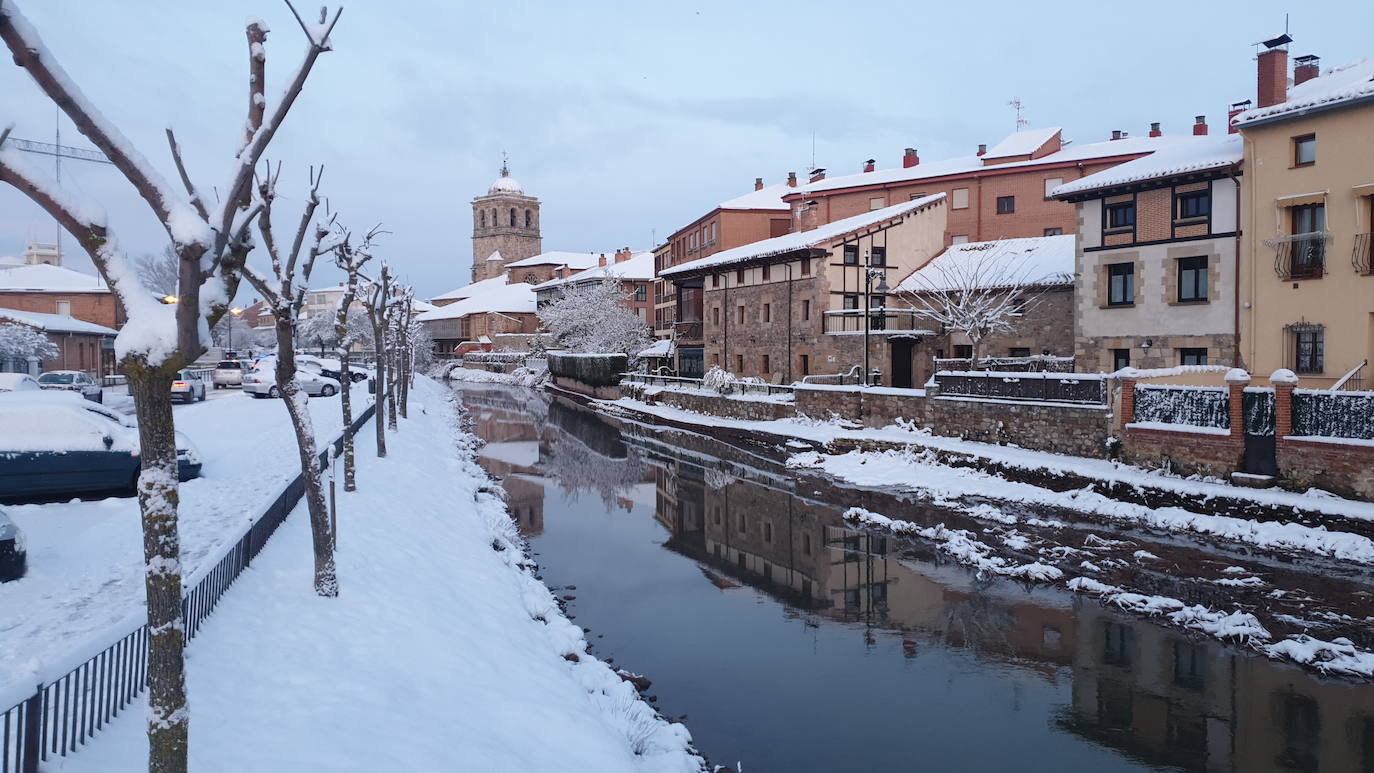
[[332, 368], [72, 381], [261, 381], [18, 382], [226, 374], [188, 386], [12, 556], [58, 444]]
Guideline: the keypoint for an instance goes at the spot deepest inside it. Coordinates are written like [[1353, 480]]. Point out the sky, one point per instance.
[[627, 120]]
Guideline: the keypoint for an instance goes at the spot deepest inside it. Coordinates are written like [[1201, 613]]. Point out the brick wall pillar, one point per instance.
[[1236, 382], [1127, 401], [1284, 381]]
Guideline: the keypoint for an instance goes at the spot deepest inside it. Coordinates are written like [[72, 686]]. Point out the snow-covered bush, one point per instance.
[[22, 342], [719, 379]]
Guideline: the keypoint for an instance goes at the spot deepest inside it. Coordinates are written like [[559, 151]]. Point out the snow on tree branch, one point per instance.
[[594, 317], [22, 342]]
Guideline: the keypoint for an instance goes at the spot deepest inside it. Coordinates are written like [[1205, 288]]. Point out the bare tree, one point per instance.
[[284, 292], [377, 301], [594, 317], [21, 342], [405, 316], [211, 241], [160, 273], [351, 259], [978, 289]]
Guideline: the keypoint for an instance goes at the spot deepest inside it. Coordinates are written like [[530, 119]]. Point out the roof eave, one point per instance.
[[1151, 183], [1306, 111]]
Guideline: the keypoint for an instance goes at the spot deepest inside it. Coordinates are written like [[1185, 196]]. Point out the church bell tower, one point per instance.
[[505, 227]]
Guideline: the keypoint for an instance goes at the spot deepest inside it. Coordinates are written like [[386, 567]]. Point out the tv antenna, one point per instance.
[[1021, 122], [58, 151]]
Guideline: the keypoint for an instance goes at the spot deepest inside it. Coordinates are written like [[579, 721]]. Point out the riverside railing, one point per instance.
[[63, 715], [1009, 385]]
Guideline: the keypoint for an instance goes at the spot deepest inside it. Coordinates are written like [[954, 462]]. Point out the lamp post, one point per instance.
[[236, 311], [870, 273]]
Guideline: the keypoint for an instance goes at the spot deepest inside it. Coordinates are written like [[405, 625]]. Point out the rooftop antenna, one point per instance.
[[1021, 122], [813, 148], [505, 164]]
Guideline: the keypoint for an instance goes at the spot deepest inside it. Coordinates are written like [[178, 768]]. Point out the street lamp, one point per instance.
[[870, 273], [235, 311]]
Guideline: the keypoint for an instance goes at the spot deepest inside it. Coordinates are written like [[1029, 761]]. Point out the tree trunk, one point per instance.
[[345, 400], [379, 346], [321, 538], [168, 718], [405, 380], [391, 393]]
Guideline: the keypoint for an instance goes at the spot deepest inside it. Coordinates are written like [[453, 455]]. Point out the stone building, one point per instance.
[[505, 227], [486, 309], [782, 308], [1157, 258]]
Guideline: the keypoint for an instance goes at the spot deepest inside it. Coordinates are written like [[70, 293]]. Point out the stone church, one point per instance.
[[505, 227]]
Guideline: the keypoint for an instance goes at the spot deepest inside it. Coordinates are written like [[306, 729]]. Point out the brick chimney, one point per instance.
[[1272, 68], [758, 183], [1154, 130], [809, 215], [817, 175], [1305, 68], [1116, 134], [623, 254], [601, 261], [982, 149], [868, 165], [1236, 109], [1200, 126], [909, 158], [791, 179]]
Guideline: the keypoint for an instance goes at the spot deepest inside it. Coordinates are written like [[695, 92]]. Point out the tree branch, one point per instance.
[[185, 178], [257, 79]]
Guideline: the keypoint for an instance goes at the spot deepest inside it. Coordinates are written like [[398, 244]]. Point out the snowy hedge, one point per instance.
[[1333, 414], [1194, 406], [590, 369]]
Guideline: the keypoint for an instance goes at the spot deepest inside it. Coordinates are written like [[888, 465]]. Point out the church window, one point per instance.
[[484, 218], [529, 218], [512, 217]]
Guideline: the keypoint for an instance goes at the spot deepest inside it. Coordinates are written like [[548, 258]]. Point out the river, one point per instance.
[[789, 641]]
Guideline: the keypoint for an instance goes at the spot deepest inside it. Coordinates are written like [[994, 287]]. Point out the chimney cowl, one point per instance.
[[791, 179], [982, 149], [1116, 134], [1155, 130], [817, 174], [758, 183], [1305, 68], [909, 158], [868, 165], [1200, 126], [601, 261]]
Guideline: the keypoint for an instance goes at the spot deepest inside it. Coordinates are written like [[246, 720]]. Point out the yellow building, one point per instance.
[[1307, 207]]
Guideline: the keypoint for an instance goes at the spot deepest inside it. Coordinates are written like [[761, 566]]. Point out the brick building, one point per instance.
[[505, 227], [81, 345], [1156, 260], [1000, 192], [486, 309], [757, 215], [779, 309], [634, 269], [49, 289]]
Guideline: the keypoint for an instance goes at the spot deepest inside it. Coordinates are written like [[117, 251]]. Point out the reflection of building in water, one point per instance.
[[1170, 699], [511, 455]]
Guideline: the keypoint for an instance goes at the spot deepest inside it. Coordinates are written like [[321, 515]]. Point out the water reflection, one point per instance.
[[1113, 692]]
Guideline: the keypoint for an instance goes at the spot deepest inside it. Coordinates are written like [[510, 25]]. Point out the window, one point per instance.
[[739, 314], [529, 218], [877, 202], [963, 351], [1307, 254], [767, 527], [1054, 231], [1192, 356], [959, 239], [765, 365], [692, 242], [641, 293], [1116, 644], [1121, 215], [715, 316], [739, 368], [806, 310], [804, 365], [483, 218], [1308, 348], [1121, 284], [767, 314], [1308, 218], [915, 196], [1019, 351], [715, 280], [64, 308], [960, 198], [806, 267], [1006, 205], [739, 276], [1193, 205], [1051, 183], [767, 273], [512, 217], [743, 529], [877, 256], [1305, 150], [851, 254], [1018, 306], [851, 302], [1192, 279], [1121, 358]]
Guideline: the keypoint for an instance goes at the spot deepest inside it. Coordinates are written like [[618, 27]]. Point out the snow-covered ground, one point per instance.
[[525, 377], [84, 586], [442, 652]]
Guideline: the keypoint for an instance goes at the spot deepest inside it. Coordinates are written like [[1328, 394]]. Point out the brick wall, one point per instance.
[[1342, 468], [1186, 453], [99, 308]]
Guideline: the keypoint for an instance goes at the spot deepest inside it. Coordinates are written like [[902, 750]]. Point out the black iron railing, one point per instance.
[[1302, 256], [688, 331], [880, 321], [62, 715], [1363, 255], [1053, 387]]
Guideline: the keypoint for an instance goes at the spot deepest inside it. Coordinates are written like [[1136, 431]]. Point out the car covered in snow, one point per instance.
[[57, 444], [332, 368], [227, 373], [72, 381], [18, 382], [261, 381], [12, 555], [188, 386]]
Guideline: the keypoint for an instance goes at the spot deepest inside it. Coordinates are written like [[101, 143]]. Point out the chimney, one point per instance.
[[758, 183], [1154, 130], [909, 158], [791, 179], [868, 165], [622, 254], [817, 175], [1200, 126], [601, 261], [1236, 109], [1116, 134], [1273, 76], [982, 149], [809, 215], [1305, 68]]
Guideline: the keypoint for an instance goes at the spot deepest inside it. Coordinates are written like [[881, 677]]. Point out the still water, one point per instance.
[[791, 642]]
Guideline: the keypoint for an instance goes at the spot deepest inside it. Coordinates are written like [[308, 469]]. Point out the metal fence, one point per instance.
[[1033, 363], [734, 387], [500, 357], [1052, 387], [1193, 406], [1333, 414], [64, 714]]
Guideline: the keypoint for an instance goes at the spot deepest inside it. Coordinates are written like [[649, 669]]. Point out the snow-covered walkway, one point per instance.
[[441, 653]]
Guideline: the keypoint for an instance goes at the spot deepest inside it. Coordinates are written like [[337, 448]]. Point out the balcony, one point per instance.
[[881, 321], [1300, 256], [1363, 256], [688, 331]]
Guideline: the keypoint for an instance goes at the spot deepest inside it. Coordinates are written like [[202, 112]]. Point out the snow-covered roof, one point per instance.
[[55, 323], [1194, 154], [509, 298], [577, 260], [1033, 260], [421, 306], [505, 184], [469, 290], [44, 278], [495, 255], [970, 164], [768, 197], [663, 347], [639, 266], [798, 240], [1337, 86], [10, 261], [1023, 143]]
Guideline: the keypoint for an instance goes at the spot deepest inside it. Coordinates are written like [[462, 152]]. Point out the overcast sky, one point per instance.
[[627, 120]]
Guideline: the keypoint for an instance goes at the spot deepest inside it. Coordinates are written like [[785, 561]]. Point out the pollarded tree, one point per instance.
[[593, 317], [211, 240], [377, 301], [349, 329], [283, 290], [320, 330], [21, 342]]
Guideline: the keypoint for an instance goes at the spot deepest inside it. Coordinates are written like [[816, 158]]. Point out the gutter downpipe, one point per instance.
[[1237, 359], [788, 353]]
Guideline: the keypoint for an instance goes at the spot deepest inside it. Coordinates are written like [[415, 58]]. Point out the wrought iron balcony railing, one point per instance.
[[1300, 256]]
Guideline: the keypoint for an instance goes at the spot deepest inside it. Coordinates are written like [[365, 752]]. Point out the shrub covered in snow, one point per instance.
[[718, 378], [593, 317], [22, 342]]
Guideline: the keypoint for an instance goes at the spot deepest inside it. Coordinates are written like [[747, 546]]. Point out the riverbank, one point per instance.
[[442, 652]]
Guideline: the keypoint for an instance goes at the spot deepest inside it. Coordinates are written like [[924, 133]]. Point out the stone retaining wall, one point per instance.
[[713, 405], [1078, 430], [1341, 468]]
